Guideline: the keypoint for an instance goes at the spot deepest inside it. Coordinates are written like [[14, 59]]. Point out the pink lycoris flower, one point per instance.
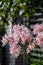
[[21, 34], [5, 40], [39, 39], [30, 47], [18, 51], [37, 28], [15, 50]]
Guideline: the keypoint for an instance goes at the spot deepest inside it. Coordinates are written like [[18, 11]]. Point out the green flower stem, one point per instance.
[[26, 56]]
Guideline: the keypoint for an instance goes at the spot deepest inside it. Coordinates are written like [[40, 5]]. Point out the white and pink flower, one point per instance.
[[39, 39], [37, 28]]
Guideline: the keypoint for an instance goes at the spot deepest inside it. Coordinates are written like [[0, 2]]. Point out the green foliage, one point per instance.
[[37, 63], [15, 8], [5, 0], [0, 14]]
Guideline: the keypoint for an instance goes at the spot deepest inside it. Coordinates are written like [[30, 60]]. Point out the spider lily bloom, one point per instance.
[[30, 47], [37, 28], [5, 40], [20, 36], [15, 50], [39, 39]]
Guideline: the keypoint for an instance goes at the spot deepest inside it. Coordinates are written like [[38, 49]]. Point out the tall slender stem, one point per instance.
[[24, 55]]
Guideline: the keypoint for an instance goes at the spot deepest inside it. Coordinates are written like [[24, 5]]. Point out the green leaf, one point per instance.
[[5, 0], [33, 64], [18, 1], [0, 14]]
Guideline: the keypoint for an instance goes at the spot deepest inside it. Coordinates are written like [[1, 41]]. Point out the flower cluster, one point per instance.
[[21, 36], [37, 28], [38, 31]]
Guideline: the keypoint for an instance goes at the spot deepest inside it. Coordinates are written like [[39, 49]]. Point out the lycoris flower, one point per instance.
[[39, 39], [37, 28]]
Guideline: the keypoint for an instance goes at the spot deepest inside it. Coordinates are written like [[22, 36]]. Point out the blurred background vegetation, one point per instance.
[[15, 9]]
